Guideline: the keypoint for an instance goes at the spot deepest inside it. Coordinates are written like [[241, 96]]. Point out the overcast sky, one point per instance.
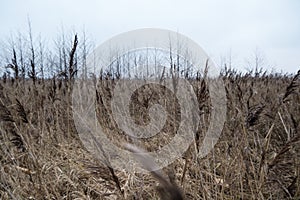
[[219, 27]]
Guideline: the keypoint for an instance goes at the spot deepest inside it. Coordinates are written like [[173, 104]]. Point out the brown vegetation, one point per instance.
[[256, 157]]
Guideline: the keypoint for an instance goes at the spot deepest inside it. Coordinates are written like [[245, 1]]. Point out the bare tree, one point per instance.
[[256, 62], [32, 72]]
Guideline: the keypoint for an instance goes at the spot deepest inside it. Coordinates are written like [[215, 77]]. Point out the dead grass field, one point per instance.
[[256, 157]]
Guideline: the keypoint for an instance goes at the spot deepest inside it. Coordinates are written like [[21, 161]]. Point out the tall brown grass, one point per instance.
[[42, 156], [256, 157]]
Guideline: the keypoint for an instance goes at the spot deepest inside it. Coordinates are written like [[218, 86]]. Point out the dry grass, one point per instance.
[[257, 156]]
